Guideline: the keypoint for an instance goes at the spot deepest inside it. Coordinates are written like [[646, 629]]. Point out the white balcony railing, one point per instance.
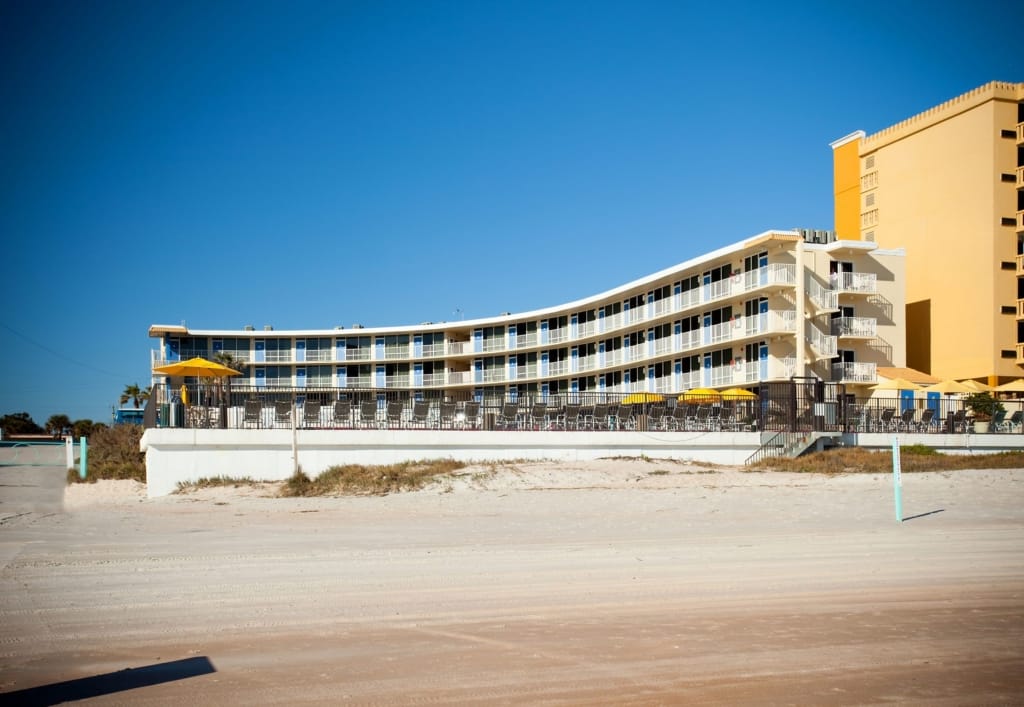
[[857, 283], [823, 298], [824, 344], [854, 372], [860, 327]]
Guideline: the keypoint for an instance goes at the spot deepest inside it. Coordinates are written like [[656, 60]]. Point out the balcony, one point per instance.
[[1020, 354], [1020, 221], [1020, 265], [458, 348], [1020, 309], [823, 344], [854, 372], [857, 283], [1020, 177], [396, 351], [855, 327], [1020, 133]]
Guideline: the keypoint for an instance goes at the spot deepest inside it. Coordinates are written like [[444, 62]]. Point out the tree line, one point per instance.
[[21, 423]]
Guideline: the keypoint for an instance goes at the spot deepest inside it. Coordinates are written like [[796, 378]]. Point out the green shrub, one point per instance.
[[113, 453]]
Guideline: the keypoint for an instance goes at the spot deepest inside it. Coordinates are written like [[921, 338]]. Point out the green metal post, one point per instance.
[[85, 458], [897, 480]]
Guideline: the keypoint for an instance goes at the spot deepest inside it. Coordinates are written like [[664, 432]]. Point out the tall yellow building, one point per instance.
[[947, 185]]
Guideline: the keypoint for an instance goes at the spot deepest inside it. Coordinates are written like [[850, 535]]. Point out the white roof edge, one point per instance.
[[855, 135], [537, 313]]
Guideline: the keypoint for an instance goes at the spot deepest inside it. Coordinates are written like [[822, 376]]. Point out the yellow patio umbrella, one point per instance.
[[698, 395], [977, 387], [738, 394], [948, 387], [196, 368], [1015, 386], [896, 384], [636, 398]]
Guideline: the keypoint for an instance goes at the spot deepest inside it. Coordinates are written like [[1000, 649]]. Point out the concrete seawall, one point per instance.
[[174, 456]]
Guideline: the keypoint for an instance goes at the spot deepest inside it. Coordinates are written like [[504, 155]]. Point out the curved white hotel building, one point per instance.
[[777, 305]]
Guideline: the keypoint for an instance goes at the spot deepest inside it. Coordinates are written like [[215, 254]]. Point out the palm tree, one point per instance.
[[135, 394], [58, 425], [226, 358]]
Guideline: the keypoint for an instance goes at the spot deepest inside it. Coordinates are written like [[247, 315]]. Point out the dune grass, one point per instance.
[[847, 460], [361, 480]]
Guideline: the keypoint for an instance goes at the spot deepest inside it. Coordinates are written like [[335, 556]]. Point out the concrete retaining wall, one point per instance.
[[186, 455]]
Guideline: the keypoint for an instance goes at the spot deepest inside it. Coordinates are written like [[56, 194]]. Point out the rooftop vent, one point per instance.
[[249, 327], [357, 326], [267, 327]]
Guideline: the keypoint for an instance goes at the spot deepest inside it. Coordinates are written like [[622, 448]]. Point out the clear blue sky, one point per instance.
[[307, 165]]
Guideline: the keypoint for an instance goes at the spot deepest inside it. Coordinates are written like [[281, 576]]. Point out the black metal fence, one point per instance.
[[798, 405]]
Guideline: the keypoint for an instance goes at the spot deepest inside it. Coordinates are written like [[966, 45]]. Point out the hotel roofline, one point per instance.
[[766, 238]]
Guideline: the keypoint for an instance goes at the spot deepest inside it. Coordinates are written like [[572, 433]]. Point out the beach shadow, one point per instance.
[[922, 515], [108, 683]]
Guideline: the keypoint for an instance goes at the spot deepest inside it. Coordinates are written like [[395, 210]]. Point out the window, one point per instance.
[[1006, 265], [1007, 310], [1007, 354], [869, 162], [1008, 134], [1004, 177], [869, 200], [1008, 221]]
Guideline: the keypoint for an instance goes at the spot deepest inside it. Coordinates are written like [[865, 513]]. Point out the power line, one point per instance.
[[58, 354]]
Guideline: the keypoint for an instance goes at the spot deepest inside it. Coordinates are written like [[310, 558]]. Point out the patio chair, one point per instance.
[[714, 421], [927, 420], [998, 422], [570, 417], [727, 420], [677, 421], [393, 413], [959, 422], [446, 415], [1014, 424], [311, 413], [539, 416], [508, 418], [625, 418], [252, 413], [656, 416], [906, 419], [420, 413], [599, 419], [885, 420], [341, 415], [283, 413], [614, 422], [368, 413], [471, 415]]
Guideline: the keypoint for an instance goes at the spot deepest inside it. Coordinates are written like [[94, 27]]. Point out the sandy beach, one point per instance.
[[607, 582]]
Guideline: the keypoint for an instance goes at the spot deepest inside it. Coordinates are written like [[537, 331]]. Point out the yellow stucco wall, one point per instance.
[[939, 196], [846, 186]]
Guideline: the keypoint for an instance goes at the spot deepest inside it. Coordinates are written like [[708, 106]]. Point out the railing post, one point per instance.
[[84, 463]]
